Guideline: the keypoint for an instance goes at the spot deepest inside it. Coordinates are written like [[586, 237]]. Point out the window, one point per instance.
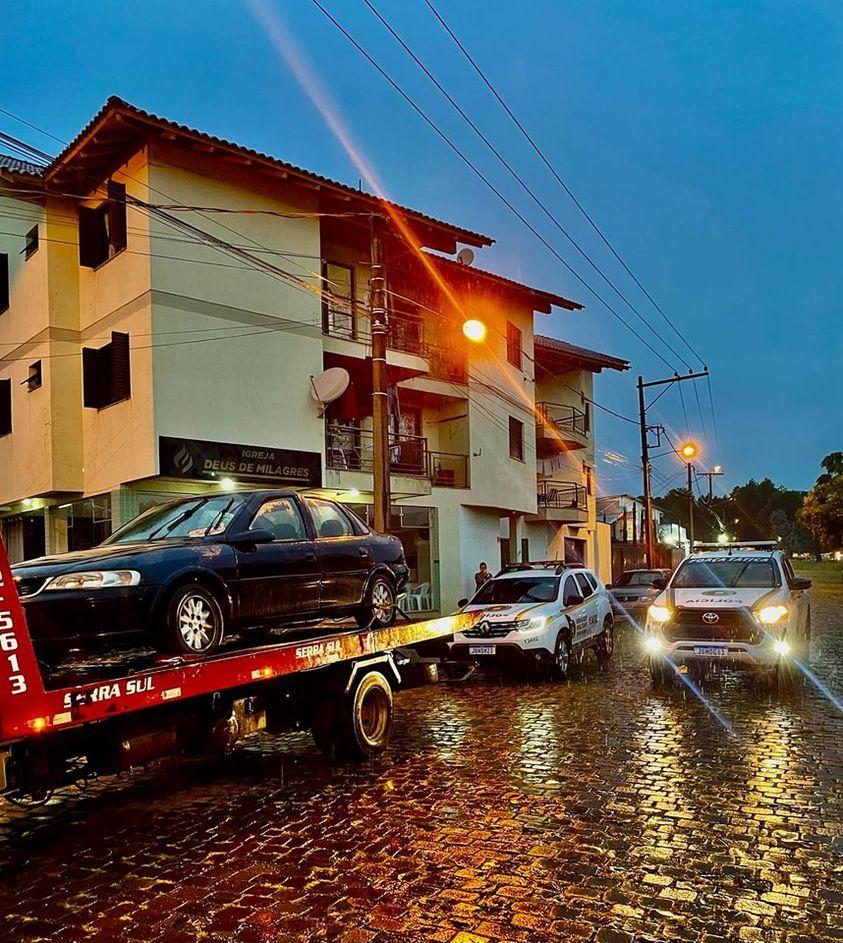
[[102, 229], [328, 519], [190, 517], [5, 407], [282, 518], [571, 590], [591, 579], [516, 439], [33, 381], [726, 573], [518, 589], [587, 474], [106, 373], [30, 246], [4, 282], [338, 312], [585, 587], [513, 344]]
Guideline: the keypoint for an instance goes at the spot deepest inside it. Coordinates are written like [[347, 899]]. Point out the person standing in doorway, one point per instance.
[[481, 576]]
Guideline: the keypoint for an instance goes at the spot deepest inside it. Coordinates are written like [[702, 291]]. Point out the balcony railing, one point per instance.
[[559, 427], [562, 496], [348, 448]]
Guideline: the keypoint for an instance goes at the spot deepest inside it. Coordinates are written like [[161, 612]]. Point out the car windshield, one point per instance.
[[198, 517], [639, 578], [517, 589], [726, 572]]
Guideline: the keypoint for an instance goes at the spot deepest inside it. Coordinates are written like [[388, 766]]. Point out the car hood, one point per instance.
[[108, 556], [715, 598], [500, 612]]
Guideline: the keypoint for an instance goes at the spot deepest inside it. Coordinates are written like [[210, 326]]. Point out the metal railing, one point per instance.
[[448, 469], [561, 417], [352, 449], [562, 495]]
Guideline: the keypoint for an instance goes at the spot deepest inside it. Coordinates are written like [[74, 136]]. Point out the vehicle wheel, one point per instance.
[[357, 725], [193, 622], [605, 647], [379, 610], [561, 664]]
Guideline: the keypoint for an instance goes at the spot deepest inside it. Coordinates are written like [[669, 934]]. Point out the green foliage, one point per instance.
[[822, 510]]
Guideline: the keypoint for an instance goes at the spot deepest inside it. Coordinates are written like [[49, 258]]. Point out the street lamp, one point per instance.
[[689, 451], [474, 330]]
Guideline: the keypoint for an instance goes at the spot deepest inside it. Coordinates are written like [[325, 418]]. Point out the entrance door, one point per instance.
[[278, 579], [344, 555]]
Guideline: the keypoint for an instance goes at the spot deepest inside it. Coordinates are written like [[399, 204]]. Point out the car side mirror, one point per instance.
[[573, 599], [659, 583], [799, 582], [250, 538], [462, 602]]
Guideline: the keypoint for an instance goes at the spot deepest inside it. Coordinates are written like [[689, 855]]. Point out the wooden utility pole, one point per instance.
[[690, 507], [380, 404]]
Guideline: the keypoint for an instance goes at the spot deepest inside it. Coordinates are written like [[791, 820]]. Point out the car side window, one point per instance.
[[788, 570], [569, 590], [282, 518], [591, 579], [328, 519], [585, 586]]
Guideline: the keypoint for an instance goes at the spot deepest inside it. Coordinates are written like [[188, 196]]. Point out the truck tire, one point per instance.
[[355, 725], [193, 621], [379, 608], [562, 658], [605, 647]]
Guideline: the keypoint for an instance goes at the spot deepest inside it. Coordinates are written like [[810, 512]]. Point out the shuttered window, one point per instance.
[[106, 373], [513, 344], [516, 439], [5, 407], [102, 229]]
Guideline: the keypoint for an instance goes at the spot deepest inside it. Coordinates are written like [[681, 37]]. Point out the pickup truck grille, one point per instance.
[[732, 625], [29, 585], [495, 630]]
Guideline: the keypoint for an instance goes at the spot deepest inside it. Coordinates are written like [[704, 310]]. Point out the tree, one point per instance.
[[822, 509]]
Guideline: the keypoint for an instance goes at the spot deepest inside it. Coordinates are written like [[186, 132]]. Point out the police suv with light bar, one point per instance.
[[739, 605]]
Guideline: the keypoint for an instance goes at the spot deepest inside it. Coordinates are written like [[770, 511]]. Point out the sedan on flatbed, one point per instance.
[[184, 575]]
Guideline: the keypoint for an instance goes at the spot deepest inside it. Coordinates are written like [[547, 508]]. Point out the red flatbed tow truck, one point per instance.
[[104, 719]]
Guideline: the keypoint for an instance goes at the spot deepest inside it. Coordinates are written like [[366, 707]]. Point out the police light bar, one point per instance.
[[738, 543]]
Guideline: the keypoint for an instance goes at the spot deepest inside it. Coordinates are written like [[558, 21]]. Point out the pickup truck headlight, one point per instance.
[[94, 579], [770, 615], [531, 625], [659, 613]]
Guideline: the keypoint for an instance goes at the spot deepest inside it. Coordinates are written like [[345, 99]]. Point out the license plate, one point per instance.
[[719, 650], [481, 649]]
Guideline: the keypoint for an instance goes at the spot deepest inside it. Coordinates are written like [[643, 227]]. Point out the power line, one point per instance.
[[527, 189], [473, 167], [531, 141]]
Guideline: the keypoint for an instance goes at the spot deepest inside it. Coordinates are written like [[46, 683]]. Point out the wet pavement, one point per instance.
[[598, 809]]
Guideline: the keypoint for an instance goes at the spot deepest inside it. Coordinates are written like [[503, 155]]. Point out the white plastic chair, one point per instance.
[[419, 599]]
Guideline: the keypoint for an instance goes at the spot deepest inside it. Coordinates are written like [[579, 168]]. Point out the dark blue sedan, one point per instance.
[[184, 575]]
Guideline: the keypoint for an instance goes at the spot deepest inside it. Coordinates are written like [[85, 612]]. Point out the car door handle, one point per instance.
[[310, 557], [364, 552]]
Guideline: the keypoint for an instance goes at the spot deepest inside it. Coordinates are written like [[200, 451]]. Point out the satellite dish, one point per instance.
[[329, 385], [465, 257]]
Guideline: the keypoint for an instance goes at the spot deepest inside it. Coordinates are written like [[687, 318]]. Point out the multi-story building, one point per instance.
[[626, 515], [168, 303]]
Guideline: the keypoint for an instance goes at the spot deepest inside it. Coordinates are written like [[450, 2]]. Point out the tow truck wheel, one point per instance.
[[561, 657], [193, 622], [358, 724], [379, 610], [606, 643]]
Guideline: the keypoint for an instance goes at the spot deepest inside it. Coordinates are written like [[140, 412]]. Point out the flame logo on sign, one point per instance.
[[183, 460]]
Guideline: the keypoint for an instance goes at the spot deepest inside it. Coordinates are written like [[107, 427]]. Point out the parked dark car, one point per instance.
[[183, 575], [634, 590]]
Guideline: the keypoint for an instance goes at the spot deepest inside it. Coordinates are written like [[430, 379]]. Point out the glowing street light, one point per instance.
[[474, 330], [688, 450]]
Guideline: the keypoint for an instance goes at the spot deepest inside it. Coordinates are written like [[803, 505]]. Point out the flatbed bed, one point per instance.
[[104, 715]]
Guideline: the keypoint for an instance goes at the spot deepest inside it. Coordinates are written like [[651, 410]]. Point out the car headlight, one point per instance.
[[659, 613], [653, 644], [94, 579], [770, 615], [531, 625], [781, 647]]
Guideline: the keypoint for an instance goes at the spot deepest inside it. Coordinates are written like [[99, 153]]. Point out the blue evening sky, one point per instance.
[[705, 138]]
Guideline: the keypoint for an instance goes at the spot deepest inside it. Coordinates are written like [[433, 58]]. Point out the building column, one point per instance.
[[55, 529], [516, 532]]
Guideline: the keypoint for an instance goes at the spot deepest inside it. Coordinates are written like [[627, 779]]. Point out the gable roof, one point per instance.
[[17, 166], [119, 128], [549, 350]]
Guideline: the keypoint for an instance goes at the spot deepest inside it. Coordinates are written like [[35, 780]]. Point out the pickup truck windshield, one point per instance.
[[726, 573], [198, 517], [518, 589]]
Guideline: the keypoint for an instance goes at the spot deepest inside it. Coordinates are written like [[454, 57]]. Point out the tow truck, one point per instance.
[[106, 716]]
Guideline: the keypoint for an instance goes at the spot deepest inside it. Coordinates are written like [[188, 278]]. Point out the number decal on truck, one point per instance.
[[9, 644]]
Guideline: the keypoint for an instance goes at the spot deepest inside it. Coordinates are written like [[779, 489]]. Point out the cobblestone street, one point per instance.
[[593, 810]]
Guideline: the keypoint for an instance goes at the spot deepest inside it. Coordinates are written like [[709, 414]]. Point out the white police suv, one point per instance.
[[537, 615], [737, 604]]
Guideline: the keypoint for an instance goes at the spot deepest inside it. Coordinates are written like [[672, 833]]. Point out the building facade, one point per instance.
[[173, 302], [626, 515]]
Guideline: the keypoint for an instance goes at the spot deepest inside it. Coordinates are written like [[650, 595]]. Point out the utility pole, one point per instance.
[[645, 454], [691, 506], [380, 403]]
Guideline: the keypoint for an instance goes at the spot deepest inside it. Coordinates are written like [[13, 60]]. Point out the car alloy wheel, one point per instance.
[[383, 602], [561, 657], [196, 622]]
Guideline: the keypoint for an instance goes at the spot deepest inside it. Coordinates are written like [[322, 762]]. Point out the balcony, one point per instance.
[[562, 501], [559, 428], [348, 448]]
